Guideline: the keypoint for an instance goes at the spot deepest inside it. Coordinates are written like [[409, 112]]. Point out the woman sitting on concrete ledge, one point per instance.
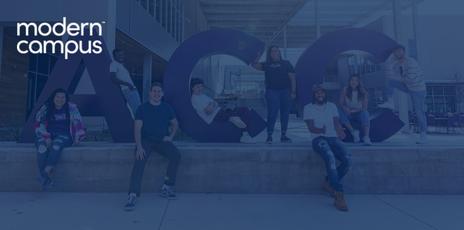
[[210, 111], [58, 125]]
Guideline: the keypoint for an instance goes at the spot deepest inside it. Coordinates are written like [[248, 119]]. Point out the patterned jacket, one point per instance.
[[76, 127]]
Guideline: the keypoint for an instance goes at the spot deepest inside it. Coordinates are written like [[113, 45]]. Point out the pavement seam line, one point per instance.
[[164, 214], [406, 213]]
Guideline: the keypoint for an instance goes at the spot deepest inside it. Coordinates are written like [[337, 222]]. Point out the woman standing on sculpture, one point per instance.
[[280, 90], [58, 124]]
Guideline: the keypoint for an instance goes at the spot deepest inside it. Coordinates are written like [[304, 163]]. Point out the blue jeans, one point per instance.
[[277, 99], [418, 100], [362, 116], [330, 149], [132, 99], [49, 156]]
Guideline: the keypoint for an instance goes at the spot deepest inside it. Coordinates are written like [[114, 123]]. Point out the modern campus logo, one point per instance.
[[47, 38]]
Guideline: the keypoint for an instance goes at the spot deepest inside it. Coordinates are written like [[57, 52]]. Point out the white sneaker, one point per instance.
[[237, 122], [422, 138], [388, 104], [247, 139], [367, 141], [355, 135]]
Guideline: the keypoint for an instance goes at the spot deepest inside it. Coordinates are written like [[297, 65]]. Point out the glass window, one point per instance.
[[40, 67], [43, 64], [143, 3], [163, 13], [169, 15], [151, 7], [158, 10]]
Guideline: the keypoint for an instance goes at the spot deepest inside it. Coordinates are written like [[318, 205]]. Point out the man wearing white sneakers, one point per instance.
[[404, 73]]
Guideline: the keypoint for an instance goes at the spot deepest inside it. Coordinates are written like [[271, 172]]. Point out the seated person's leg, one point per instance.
[[230, 115], [58, 144], [342, 154], [345, 120], [365, 123], [392, 84], [138, 169], [170, 151], [42, 155], [321, 146], [254, 123]]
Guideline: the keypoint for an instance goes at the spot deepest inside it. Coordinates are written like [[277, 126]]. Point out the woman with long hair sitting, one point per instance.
[[58, 125]]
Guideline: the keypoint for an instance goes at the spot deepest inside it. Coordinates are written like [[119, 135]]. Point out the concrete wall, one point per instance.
[[227, 168]]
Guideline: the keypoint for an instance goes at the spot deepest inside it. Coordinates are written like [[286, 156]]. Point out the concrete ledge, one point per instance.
[[241, 168]]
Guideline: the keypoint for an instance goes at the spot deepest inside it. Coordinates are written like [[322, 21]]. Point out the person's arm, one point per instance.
[[140, 152], [77, 123], [339, 128], [292, 84], [312, 128], [256, 64], [117, 81], [365, 102], [209, 109], [342, 101], [174, 125], [40, 127]]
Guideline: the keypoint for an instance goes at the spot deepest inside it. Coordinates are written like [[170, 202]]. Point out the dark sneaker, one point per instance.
[[285, 139], [168, 192], [269, 140], [131, 200]]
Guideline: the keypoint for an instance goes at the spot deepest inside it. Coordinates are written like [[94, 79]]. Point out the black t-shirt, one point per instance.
[[276, 74], [156, 120], [59, 123]]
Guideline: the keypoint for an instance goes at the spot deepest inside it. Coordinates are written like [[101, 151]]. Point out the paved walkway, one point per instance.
[[77, 211]]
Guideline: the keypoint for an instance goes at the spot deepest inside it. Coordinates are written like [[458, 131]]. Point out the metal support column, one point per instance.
[[402, 98], [316, 19], [285, 41], [414, 27], [1, 49], [147, 74]]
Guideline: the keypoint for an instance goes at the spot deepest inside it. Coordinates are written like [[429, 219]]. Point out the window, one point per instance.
[[163, 13], [169, 17], [151, 7], [158, 10], [40, 67]]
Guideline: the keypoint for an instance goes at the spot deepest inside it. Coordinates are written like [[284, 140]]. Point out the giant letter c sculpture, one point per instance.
[[312, 64], [177, 79]]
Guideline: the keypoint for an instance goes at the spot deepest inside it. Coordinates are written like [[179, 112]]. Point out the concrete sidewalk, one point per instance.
[[88, 211]]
